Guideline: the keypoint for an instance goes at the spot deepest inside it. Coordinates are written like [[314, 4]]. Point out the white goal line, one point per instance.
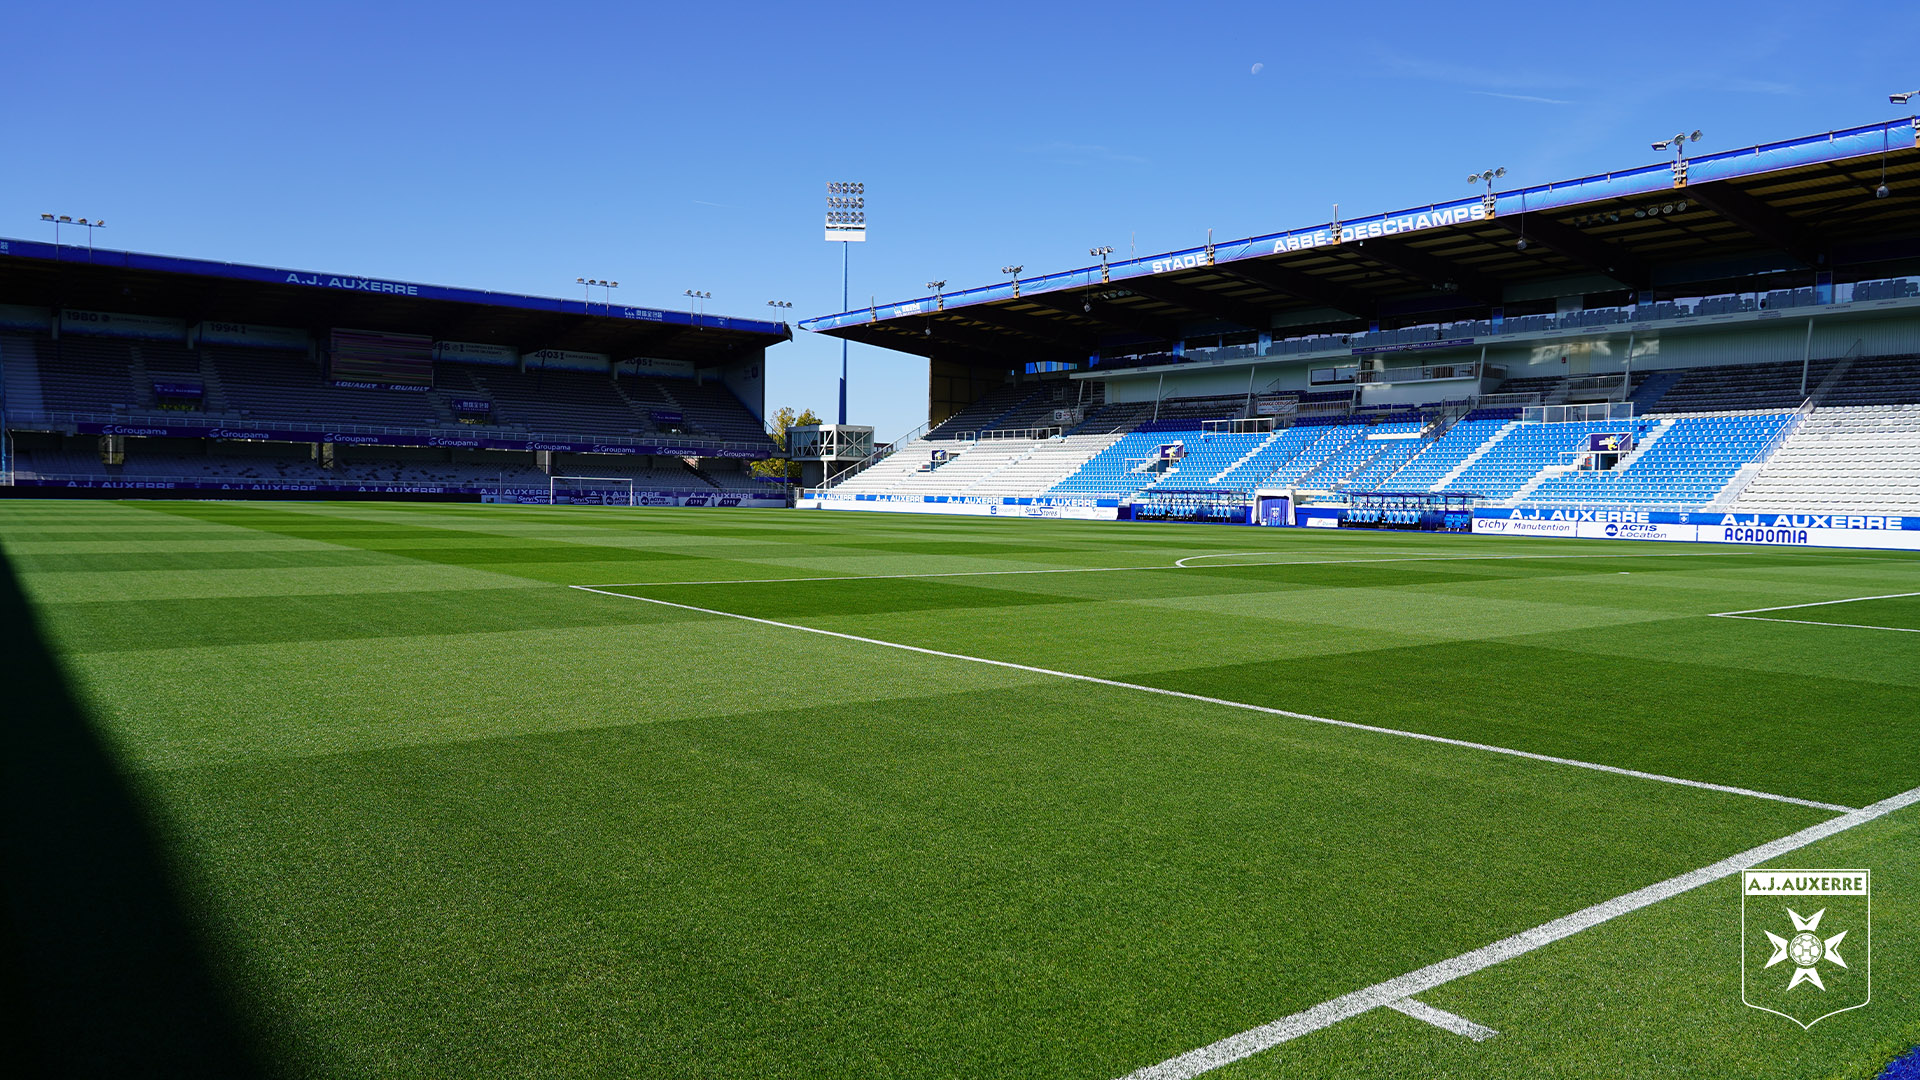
[[1754, 614]]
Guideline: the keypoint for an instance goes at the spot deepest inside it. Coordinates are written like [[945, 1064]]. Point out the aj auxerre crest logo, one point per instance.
[[1806, 942]]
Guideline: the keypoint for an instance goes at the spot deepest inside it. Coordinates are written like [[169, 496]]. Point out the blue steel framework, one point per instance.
[[1648, 179]]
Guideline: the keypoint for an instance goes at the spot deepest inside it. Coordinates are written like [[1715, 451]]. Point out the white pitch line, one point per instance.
[[1235, 1047], [1267, 709], [1443, 1019], [1816, 603], [1810, 622], [1177, 565]]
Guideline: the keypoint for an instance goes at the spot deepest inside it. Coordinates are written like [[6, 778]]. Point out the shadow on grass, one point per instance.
[[102, 973]]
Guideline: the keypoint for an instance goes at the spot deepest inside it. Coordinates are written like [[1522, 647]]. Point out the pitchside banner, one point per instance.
[[970, 505], [1888, 531], [530, 495]]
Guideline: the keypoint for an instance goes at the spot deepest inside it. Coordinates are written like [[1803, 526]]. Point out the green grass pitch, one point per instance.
[[431, 812]]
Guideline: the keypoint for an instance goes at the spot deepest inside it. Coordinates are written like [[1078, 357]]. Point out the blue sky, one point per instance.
[[687, 146]]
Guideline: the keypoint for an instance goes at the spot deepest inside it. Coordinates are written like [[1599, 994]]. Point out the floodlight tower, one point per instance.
[[1883, 191], [846, 223], [586, 289], [63, 219], [1101, 253], [1679, 146], [1487, 177]]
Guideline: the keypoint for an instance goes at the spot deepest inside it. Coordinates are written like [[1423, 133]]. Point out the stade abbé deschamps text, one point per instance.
[[1738, 306]]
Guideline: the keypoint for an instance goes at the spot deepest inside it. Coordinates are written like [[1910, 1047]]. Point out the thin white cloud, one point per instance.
[[1087, 152], [1760, 86], [1521, 97], [1502, 76]]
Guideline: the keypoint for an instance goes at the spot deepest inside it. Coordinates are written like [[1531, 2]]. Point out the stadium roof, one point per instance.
[[1760, 217], [70, 276]]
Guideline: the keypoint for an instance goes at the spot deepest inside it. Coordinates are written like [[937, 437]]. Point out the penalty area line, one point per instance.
[[1248, 1043], [1810, 622], [1179, 564], [1815, 603], [1243, 705]]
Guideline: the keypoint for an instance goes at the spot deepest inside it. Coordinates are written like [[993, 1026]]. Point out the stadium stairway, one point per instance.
[[1653, 388], [1264, 444], [1286, 445], [1496, 430], [1328, 441], [1681, 462], [1388, 460], [959, 473], [888, 473]]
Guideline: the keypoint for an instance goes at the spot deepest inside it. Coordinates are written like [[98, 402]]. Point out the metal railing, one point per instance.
[[1505, 401], [1757, 304], [1614, 386], [1424, 373], [693, 444], [1576, 414], [1783, 434], [1239, 425]]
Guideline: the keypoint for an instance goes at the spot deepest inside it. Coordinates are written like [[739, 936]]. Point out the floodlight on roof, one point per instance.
[[1902, 99]]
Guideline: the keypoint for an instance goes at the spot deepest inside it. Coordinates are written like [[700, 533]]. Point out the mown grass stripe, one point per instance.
[[1248, 706]]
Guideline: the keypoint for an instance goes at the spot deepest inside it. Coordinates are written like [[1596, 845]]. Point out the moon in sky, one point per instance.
[[1257, 68]]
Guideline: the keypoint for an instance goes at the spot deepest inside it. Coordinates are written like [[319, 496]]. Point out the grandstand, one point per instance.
[[1743, 348], [120, 370]]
